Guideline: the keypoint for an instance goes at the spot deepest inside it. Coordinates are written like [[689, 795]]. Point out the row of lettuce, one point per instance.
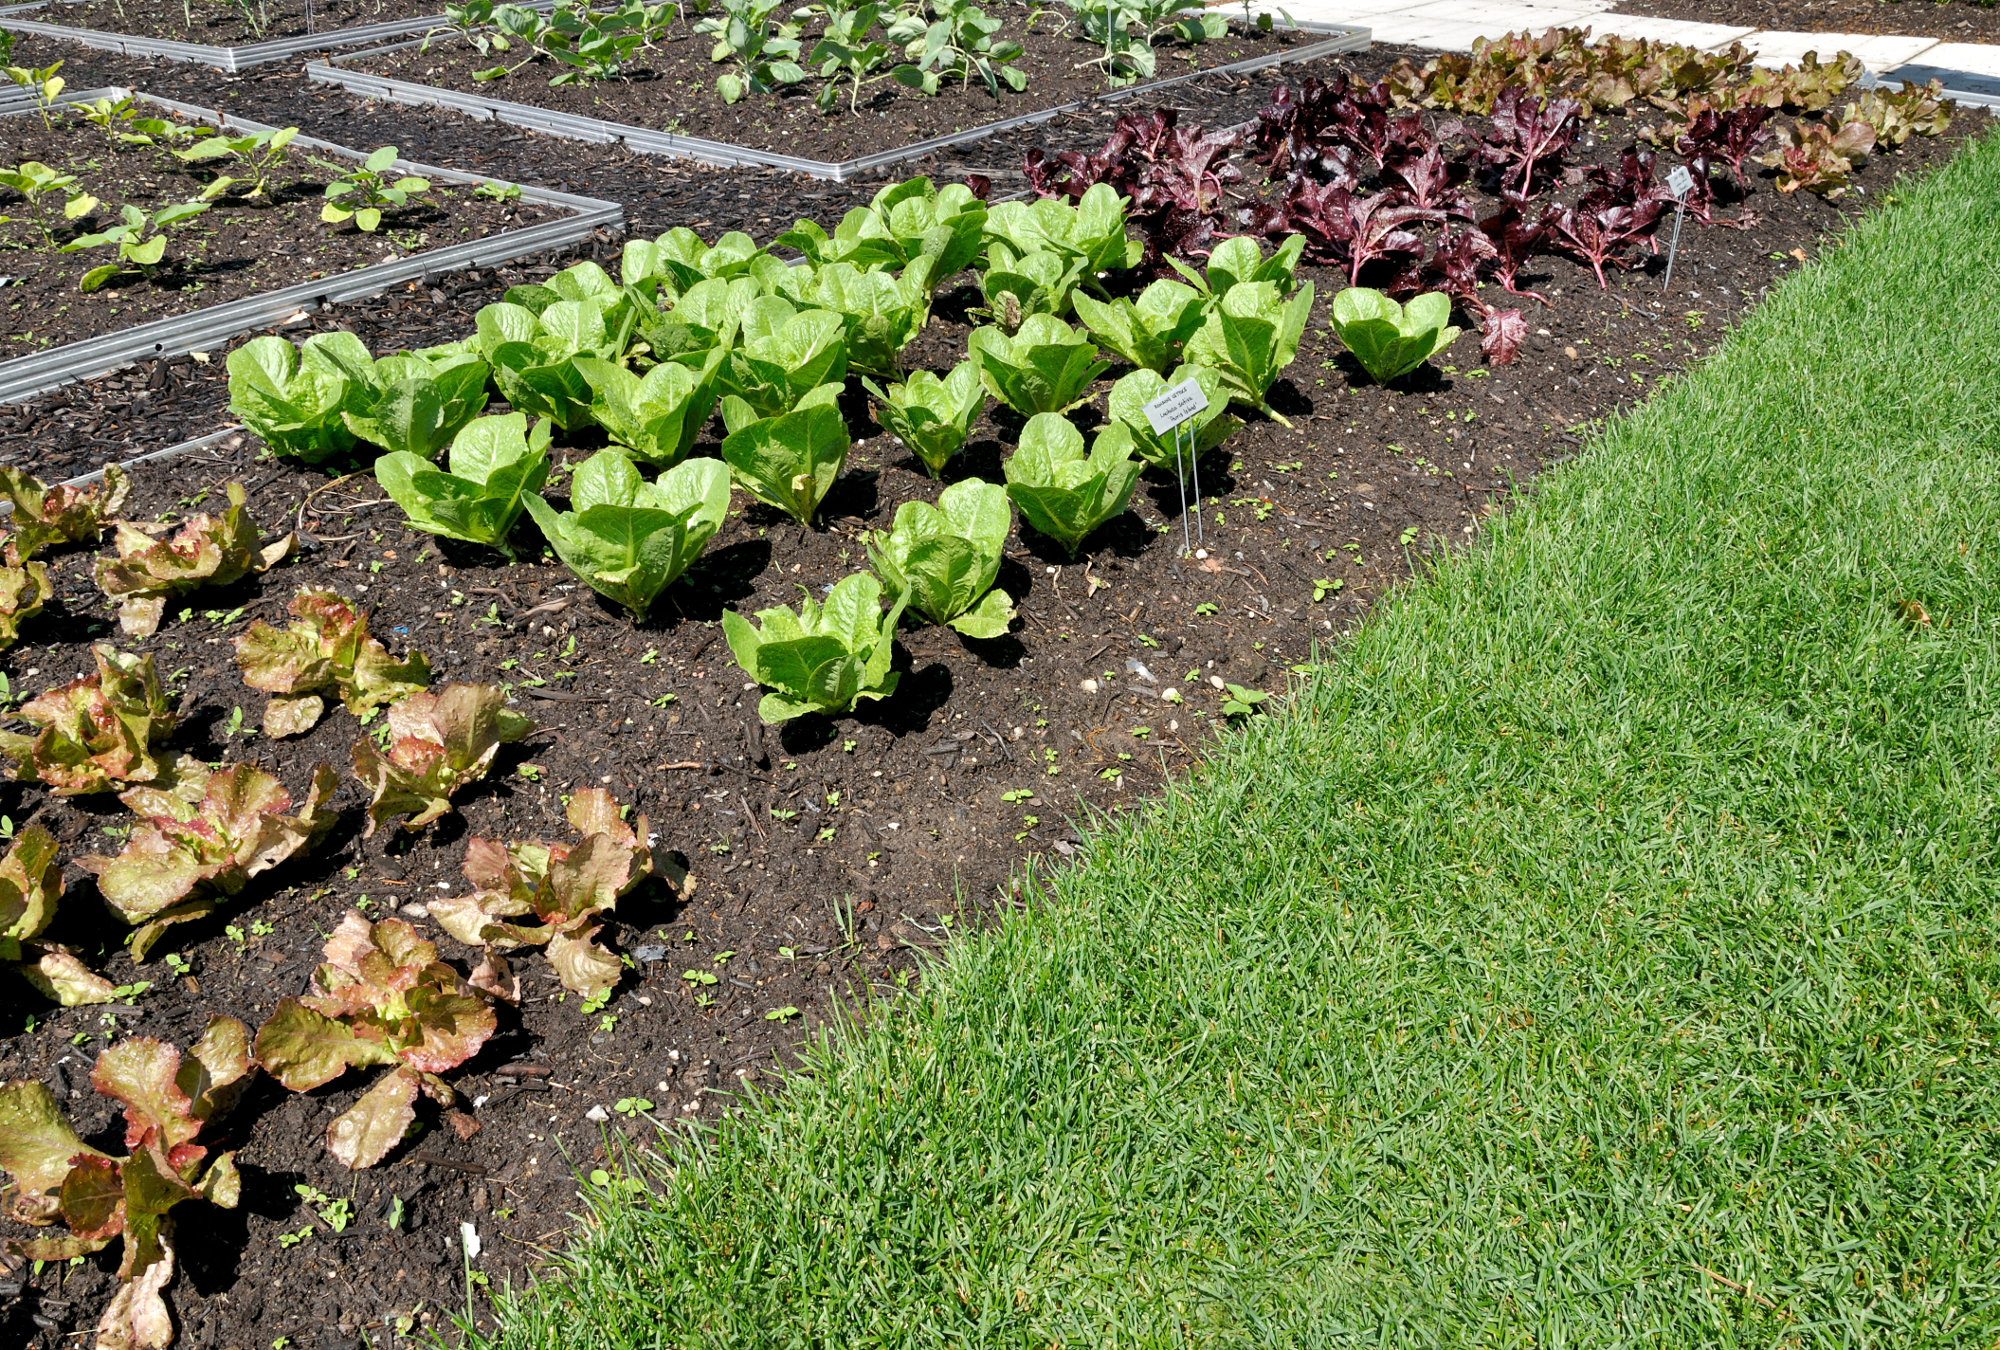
[[781, 350]]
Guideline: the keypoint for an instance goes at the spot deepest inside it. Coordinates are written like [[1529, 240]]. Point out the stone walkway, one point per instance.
[[1971, 69]]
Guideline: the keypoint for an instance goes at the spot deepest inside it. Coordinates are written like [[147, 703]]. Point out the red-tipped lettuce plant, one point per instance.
[[439, 741], [201, 840], [99, 1197], [381, 998], [326, 650], [206, 551], [555, 896], [96, 732]]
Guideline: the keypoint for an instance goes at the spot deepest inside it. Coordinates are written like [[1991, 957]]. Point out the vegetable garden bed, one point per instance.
[[821, 851], [220, 33], [663, 100], [244, 264]]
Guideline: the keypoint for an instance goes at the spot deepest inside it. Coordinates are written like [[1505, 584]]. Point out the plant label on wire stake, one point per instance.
[[1172, 411], [1679, 183]]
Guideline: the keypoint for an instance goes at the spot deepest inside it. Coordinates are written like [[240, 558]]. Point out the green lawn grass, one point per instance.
[[1600, 952]]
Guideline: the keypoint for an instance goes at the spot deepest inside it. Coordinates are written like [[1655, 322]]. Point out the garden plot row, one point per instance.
[[792, 862], [151, 209]]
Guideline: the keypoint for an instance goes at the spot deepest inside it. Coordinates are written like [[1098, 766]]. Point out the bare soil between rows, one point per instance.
[[213, 23], [1945, 20], [672, 88], [241, 246], [1369, 482]]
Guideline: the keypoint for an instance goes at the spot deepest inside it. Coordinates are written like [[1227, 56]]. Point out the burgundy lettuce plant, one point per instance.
[[207, 551], [96, 732], [439, 741], [326, 650]]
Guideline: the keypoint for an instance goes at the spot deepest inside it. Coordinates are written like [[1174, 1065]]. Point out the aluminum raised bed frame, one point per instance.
[[26, 376], [231, 59]]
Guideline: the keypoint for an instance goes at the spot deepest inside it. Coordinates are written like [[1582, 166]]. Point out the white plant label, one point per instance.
[[1174, 406], [1680, 182]]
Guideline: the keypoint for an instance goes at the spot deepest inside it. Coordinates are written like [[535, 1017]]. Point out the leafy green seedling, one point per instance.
[[823, 658], [1388, 339], [629, 539], [945, 557], [1045, 367], [1199, 434], [1250, 336], [1058, 490], [788, 461], [932, 417], [362, 194], [1150, 331], [493, 465], [1241, 702], [140, 241], [41, 186]]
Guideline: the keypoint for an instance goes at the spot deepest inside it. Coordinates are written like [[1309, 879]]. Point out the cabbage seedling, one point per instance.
[[629, 539], [1058, 490], [822, 659], [945, 557], [1388, 339]]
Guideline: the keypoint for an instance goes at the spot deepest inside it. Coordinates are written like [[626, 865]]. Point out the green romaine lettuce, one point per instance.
[[1015, 287], [629, 539], [788, 461], [1150, 332], [656, 418], [945, 557], [531, 355], [705, 316], [881, 313], [784, 354], [1059, 491], [1250, 337], [679, 260], [416, 404], [932, 417], [581, 281], [822, 659], [1047, 367], [1093, 229], [1239, 260], [293, 397], [1211, 428], [493, 464], [1389, 339]]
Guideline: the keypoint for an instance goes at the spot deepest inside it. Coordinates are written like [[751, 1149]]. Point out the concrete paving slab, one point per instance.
[[1974, 58], [1704, 36], [1877, 52]]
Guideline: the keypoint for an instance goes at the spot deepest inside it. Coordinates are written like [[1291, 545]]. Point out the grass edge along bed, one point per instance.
[[1598, 948]]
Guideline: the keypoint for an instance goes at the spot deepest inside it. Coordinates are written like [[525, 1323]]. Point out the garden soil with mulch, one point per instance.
[[217, 24], [1955, 21], [672, 88], [240, 246], [825, 855]]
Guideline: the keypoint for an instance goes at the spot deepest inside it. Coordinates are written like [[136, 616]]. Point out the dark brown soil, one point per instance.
[[673, 89], [241, 245], [1369, 481], [1946, 20], [219, 24]]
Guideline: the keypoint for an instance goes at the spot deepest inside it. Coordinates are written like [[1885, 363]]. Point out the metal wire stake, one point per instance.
[[1180, 477], [1674, 248], [1200, 537]]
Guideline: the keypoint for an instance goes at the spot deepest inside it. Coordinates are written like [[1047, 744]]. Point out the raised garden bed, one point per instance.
[[935, 786], [221, 34], [253, 262], [664, 101]]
